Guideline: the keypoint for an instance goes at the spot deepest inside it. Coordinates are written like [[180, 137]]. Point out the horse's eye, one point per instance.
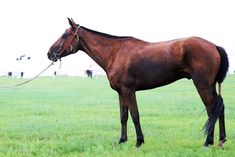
[[64, 36]]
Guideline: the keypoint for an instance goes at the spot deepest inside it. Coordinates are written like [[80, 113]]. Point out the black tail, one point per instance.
[[224, 64]]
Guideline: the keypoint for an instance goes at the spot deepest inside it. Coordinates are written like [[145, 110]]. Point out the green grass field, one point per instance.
[[73, 116]]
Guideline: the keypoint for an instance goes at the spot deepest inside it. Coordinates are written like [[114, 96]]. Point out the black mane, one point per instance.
[[107, 35]]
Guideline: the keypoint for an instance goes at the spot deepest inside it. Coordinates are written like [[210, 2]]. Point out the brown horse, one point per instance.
[[132, 65]]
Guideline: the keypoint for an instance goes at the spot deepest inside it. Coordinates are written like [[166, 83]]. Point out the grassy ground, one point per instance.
[[72, 116]]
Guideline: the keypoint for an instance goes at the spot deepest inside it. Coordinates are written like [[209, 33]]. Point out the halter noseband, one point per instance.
[[75, 34]]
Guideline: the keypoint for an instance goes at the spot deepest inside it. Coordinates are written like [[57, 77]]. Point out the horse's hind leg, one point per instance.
[[208, 95], [222, 132]]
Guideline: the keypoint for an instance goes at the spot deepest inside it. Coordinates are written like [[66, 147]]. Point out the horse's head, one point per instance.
[[67, 44]]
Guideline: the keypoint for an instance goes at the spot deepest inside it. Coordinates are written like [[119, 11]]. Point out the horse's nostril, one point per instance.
[[49, 55]]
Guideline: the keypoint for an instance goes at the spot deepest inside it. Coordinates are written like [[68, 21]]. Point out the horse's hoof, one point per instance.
[[139, 143], [122, 140], [207, 145], [221, 143]]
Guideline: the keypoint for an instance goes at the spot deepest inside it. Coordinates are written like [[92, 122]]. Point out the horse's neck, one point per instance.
[[97, 47]]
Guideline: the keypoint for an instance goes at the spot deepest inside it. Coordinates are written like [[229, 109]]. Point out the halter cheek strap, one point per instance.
[[75, 34]]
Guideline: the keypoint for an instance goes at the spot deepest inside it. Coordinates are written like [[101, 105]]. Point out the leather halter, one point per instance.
[[75, 34]]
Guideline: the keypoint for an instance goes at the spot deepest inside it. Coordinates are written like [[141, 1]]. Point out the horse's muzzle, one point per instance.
[[53, 56]]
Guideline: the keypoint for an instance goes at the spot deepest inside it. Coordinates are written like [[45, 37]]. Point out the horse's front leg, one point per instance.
[[124, 118], [130, 100]]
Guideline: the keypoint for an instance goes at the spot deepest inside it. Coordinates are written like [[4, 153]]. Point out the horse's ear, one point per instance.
[[72, 23]]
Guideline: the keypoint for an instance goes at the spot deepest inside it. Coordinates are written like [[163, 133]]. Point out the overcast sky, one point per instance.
[[31, 27]]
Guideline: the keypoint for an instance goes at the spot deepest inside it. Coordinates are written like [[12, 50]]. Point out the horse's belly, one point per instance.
[[149, 81]]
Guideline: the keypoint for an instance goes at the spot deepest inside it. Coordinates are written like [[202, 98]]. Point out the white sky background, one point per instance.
[[31, 27]]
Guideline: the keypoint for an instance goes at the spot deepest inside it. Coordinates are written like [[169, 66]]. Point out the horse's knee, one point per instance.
[[124, 118], [136, 119]]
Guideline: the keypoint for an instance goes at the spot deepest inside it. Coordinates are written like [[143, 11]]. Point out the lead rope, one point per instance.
[[60, 64], [20, 84]]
